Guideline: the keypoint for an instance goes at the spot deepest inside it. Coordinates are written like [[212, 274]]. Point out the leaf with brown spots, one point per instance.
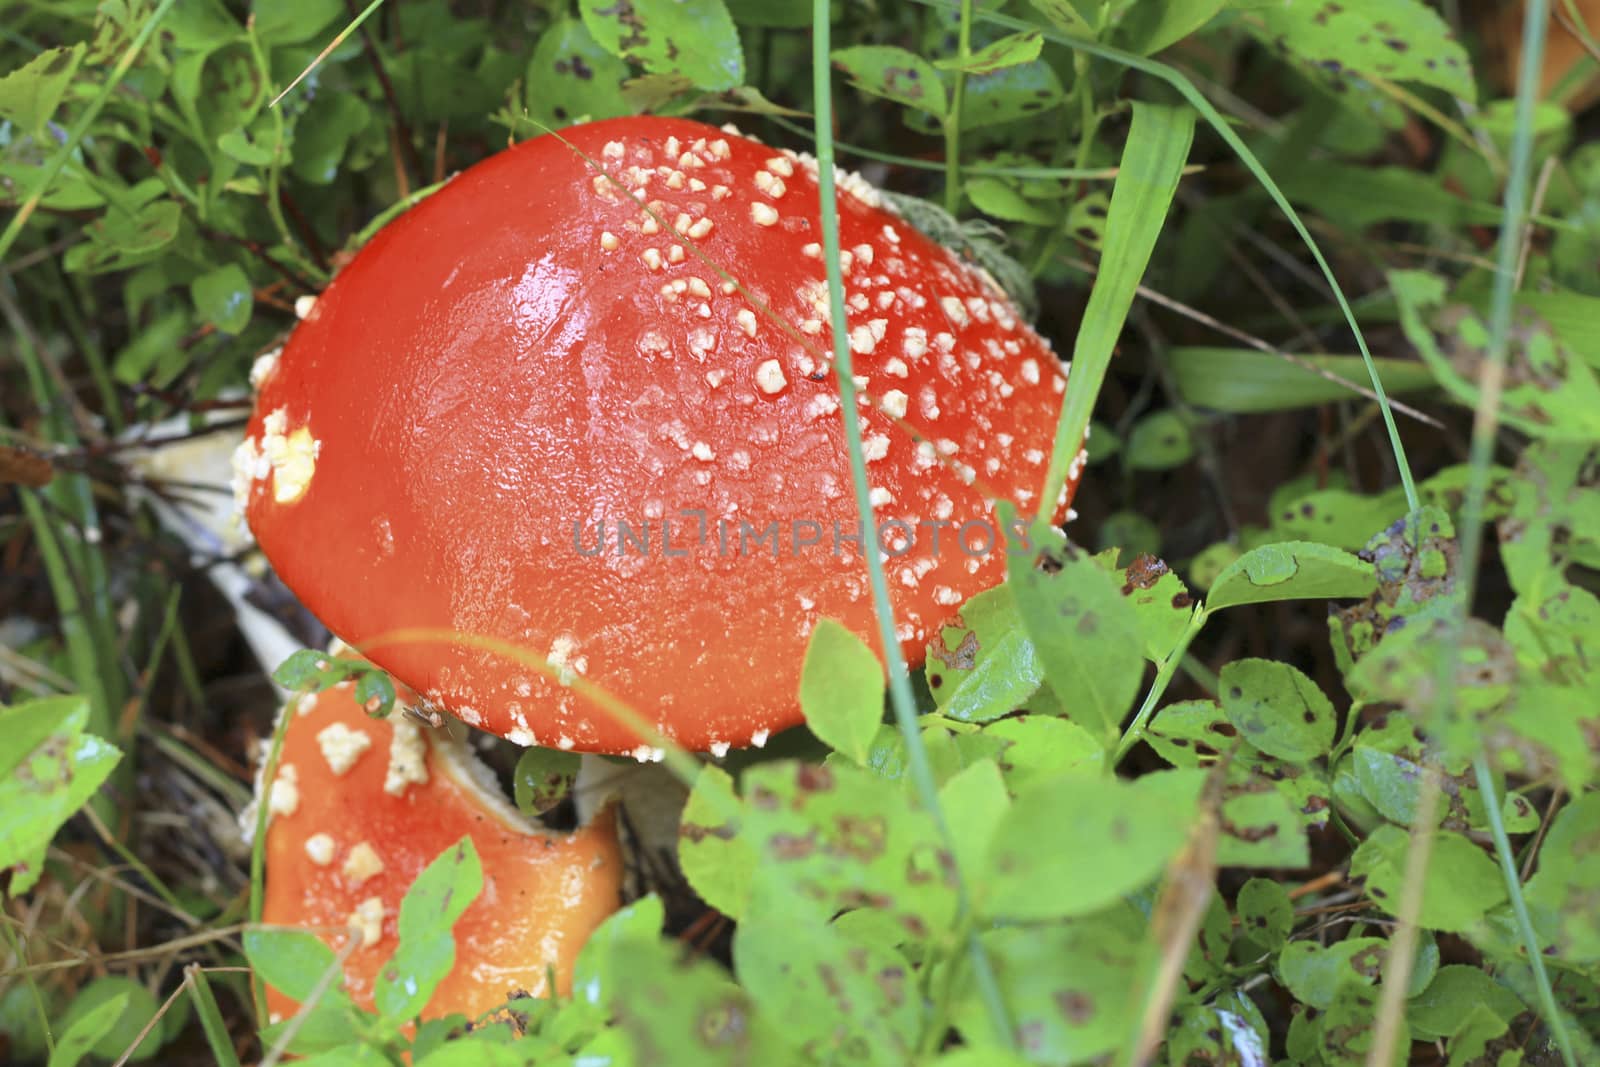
[[1073, 844], [843, 839]]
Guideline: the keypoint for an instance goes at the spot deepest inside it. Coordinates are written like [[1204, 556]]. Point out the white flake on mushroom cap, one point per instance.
[[366, 922], [362, 864], [408, 756], [290, 456], [562, 657], [341, 746], [320, 849], [284, 799]]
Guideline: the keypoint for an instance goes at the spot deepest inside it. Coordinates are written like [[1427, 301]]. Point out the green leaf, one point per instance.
[[224, 298], [994, 197], [694, 39], [1549, 392], [543, 779], [1151, 25], [1084, 631], [290, 961], [841, 690], [718, 862], [1072, 17], [973, 801], [843, 836], [1036, 748], [983, 665], [30, 94], [1242, 380], [1006, 52], [1066, 986], [137, 1006], [428, 914], [663, 1005], [1445, 1008], [54, 768], [1561, 894], [1462, 884], [1291, 570], [571, 78], [323, 137], [1397, 40], [1125, 832], [1277, 709], [1024, 91], [293, 21], [1266, 913], [120, 240], [837, 996], [1159, 442], [595, 974], [1359, 196], [894, 74], [1160, 603], [84, 1034], [1314, 973]]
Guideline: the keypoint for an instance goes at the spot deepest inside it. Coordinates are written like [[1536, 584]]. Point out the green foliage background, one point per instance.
[[1320, 791]]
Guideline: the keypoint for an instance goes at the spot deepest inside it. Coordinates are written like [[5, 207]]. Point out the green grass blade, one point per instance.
[[13, 228], [900, 695], [1184, 87], [210, 1015], [1152, 163]]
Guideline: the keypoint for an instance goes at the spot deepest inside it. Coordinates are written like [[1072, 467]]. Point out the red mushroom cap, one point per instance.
[[529, 365], [360, 806]]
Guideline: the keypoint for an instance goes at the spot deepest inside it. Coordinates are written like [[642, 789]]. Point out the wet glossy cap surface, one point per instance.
[[525, 411]]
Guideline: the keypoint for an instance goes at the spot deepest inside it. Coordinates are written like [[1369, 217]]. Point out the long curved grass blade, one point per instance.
[[1152, 162], [1184, 87], [900, 695]]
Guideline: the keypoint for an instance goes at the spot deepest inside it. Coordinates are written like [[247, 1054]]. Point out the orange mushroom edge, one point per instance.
[[581, 401], [361, 805]]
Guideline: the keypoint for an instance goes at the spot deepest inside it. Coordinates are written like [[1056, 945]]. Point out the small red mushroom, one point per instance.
[[581, 401], [361, 805]]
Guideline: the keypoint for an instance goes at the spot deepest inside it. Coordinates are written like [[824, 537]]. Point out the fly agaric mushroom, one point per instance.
[[361, 805], [581, 401]]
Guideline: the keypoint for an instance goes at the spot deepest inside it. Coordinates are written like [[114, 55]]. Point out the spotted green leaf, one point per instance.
[[842, 839], [30, 94], [694, 39], [1085, 631], [1277, 709], [1561, 893], [1462, 882], [571, 78], [49, 768], [1290, 570], [1266, 913], [1125, 832], [836, 994], [717, 861], [1066, 985], [894, 74], [1159, 442], [1006, 52], [1396, 40]]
